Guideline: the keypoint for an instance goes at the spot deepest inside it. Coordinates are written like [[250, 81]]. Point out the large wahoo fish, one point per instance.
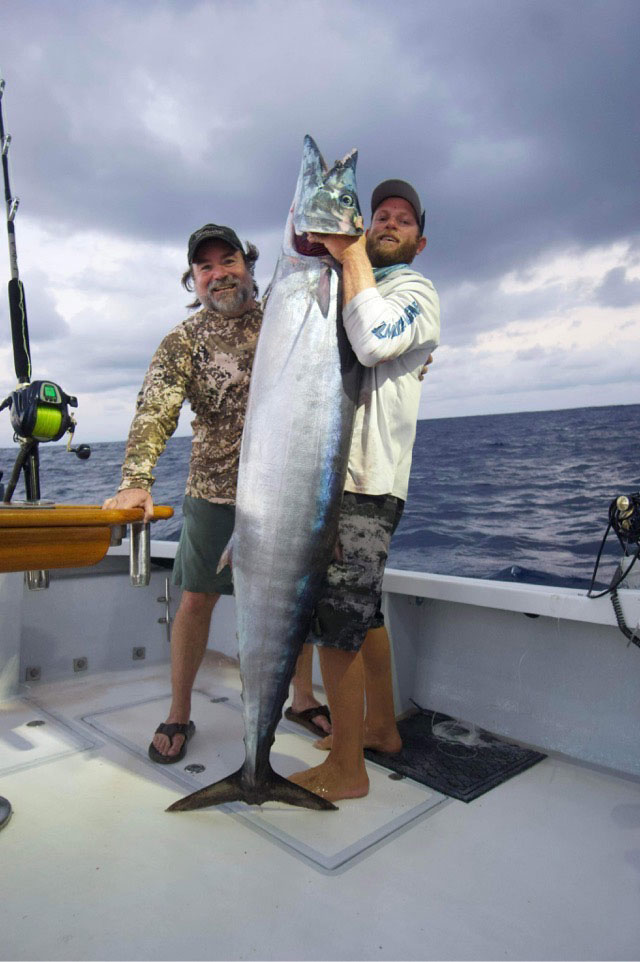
[[293, 465]]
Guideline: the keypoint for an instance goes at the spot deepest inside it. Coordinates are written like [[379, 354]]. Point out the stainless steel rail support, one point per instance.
[[118, 532], [140, 554], [165, 599], [36, 580]]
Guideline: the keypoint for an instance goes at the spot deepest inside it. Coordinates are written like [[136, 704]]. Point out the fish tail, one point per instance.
[[228, 789], [236, 788]]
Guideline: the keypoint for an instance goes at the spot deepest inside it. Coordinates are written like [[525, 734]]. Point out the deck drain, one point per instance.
[[194, 769], [35, 723], [396, 776], [216, 700], [5, 811]]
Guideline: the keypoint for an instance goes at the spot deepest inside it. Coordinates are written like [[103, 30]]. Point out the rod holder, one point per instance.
[[140, 554]]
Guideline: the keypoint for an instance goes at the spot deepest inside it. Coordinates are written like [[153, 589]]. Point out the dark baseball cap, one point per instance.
[[398, 188], [212, 232]]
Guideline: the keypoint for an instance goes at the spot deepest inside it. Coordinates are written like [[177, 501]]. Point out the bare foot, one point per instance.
[[388, 742], [330, 782]]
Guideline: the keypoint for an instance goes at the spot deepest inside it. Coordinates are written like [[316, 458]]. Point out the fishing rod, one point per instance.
[[39, 410]]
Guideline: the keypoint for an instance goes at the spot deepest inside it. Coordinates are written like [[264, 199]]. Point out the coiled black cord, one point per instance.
[[622, 625], [625, 524]]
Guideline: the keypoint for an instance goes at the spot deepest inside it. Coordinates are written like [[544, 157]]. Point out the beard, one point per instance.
[[231, 302], [384, 255]]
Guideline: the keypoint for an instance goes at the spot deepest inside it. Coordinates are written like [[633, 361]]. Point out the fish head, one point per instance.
[[326, 200]]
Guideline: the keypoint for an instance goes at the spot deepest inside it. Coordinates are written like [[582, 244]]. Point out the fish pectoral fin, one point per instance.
[[235, 788], [337, 552], [226, 558], [323, 292]]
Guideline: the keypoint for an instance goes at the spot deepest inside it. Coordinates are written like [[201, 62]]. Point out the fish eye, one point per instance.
[[346, 200]]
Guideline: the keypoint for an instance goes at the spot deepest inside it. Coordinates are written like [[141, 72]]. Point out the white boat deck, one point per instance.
[[546, 866]]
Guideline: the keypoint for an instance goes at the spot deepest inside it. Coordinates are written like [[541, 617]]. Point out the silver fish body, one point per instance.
[[293, 463]]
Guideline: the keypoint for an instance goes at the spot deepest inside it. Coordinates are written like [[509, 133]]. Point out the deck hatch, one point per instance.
[[328, 841], [24, 744]]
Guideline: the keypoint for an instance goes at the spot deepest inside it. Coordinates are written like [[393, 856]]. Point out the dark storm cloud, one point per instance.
[[545, 148], [617, 290], [474, 310], [44, 320], [517, 121], [92, 362]]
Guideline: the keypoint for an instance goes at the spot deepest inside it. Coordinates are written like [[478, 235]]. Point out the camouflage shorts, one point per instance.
[[350, 603]]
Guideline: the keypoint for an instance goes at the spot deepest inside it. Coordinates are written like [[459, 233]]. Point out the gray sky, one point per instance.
[[135, 122]]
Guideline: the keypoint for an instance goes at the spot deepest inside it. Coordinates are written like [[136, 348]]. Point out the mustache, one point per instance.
[[228, 281]]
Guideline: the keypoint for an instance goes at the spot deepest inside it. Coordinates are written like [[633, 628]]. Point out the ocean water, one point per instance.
[[517, 497]]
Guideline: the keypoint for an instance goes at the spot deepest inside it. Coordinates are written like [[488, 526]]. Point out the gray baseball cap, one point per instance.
[[212, 232], [398, 188]]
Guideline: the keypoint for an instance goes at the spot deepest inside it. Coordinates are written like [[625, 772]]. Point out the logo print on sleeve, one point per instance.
[[407, 318]]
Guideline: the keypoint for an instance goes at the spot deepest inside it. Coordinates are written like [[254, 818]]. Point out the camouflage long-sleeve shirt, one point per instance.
[[206, 360]]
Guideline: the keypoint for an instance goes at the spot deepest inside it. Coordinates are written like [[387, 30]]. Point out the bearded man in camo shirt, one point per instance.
[[206, 360]]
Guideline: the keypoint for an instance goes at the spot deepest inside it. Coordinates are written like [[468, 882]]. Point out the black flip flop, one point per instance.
[[176, 728], [304, 718]]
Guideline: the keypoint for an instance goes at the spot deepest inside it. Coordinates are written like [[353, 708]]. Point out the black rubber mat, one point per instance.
[[454, 758]]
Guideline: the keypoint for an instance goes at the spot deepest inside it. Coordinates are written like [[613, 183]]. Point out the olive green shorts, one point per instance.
[[350, 603], [206, 530]]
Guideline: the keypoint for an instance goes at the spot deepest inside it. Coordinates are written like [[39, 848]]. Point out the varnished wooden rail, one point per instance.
[[61, 535]]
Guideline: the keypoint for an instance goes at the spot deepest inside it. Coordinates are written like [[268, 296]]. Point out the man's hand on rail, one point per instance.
[[132, 498]]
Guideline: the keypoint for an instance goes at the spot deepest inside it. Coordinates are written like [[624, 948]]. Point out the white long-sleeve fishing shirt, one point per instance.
[[392, 328]]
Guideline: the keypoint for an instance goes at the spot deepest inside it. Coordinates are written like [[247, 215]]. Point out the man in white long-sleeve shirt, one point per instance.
[[392, 318]]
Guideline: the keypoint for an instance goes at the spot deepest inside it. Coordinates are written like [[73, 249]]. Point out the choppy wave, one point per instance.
[[518, 497]]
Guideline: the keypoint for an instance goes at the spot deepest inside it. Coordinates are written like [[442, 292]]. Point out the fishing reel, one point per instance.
[[40, 412], [624, 518]]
